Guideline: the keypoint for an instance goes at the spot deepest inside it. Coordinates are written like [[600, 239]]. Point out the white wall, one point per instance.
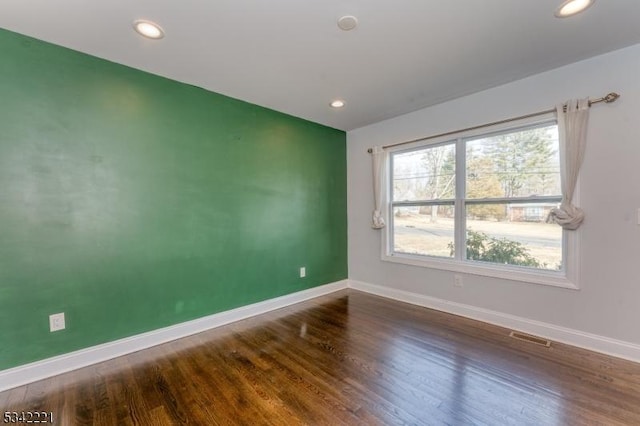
[[608, 303]]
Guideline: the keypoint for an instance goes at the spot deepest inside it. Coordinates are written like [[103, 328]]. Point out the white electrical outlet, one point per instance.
[[457, 281], [303, 272], [56, 322]]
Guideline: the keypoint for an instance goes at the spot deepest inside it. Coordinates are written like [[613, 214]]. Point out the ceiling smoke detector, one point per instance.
[[347, 22]]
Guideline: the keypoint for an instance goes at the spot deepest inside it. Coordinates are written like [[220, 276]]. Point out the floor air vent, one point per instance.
[[531, 339]]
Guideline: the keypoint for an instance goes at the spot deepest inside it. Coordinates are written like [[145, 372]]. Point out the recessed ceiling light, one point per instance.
[[347, 22], [148, 29], [338, 103], [571, 7]]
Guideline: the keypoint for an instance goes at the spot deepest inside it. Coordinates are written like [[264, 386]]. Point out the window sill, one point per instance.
[[515, 273]]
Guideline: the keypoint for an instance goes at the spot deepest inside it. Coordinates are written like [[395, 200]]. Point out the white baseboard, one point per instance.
[[593, 342], [49, 367], [39, 370]]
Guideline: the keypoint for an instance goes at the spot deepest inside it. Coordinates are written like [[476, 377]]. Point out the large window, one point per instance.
[[479, 203]]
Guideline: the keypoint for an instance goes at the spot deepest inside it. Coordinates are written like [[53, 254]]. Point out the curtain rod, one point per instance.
[[611, 97]]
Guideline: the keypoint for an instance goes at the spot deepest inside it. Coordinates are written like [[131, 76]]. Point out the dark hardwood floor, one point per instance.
[[346, 358]]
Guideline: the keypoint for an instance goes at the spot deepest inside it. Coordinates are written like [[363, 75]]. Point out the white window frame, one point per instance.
[[568, 277]]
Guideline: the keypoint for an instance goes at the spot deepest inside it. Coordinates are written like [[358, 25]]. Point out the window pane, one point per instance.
[[425, 174], [518, 164], [426, 230], [514, 234]]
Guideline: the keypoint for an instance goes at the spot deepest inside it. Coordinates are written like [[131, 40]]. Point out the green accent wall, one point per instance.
[[132, 202]]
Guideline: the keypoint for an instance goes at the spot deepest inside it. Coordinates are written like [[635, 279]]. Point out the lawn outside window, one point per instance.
[[478, 202]]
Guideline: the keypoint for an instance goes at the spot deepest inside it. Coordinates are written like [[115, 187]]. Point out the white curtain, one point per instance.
[[572, 130], [379, 157]]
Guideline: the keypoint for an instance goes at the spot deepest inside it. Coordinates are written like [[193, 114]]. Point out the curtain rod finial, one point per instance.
[[611, 97]]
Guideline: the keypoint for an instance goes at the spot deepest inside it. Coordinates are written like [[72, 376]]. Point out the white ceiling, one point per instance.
[[289, 55]]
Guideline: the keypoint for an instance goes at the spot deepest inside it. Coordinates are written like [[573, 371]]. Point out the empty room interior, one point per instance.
[[320, 213]]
